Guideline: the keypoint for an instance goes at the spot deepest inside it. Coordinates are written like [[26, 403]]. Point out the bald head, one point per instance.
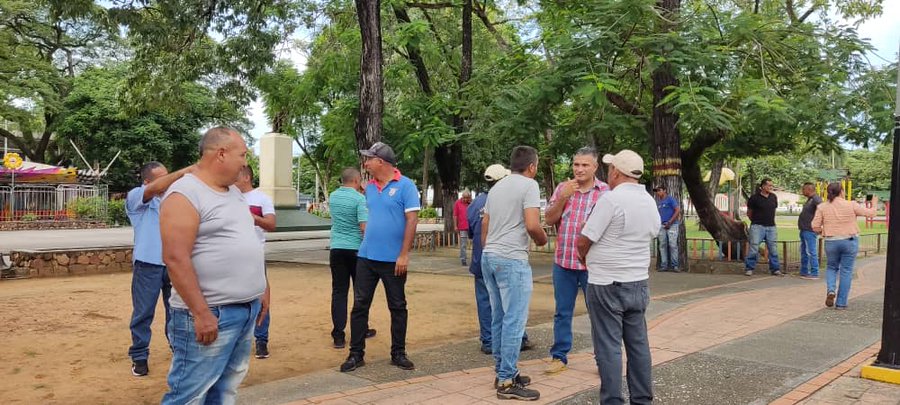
[[215, 138]]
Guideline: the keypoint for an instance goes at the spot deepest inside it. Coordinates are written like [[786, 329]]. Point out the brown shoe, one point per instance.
[[829, 299]]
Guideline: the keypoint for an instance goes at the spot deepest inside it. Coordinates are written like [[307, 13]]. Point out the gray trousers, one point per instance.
[[617, 315]]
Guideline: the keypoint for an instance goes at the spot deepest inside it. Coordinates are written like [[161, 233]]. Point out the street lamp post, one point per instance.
[[887, 364]]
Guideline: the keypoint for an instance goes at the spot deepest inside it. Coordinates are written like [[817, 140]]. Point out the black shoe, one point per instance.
[[262, 350], [339, 342], [370, 333], [521, 379], [463, 262], [401, 361], [518, 391], [139, 368], [526, 345], [352, 363], [486, 349]]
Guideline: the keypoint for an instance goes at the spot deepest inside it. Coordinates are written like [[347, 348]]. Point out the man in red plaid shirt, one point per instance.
[[570, 206]]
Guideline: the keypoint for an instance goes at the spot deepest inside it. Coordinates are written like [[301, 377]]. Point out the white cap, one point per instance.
[[495, 172], [627, 162]]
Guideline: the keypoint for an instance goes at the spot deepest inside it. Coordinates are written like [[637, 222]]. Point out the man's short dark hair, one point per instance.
[[764, 181], [587, 151], [808, 184], [147, 170], [349, 174], [522, 157]]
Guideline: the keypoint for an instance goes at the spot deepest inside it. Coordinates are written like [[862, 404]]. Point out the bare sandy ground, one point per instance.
[[65, 340]]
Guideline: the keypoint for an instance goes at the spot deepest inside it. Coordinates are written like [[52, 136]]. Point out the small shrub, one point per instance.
[[29, 216], [428, 212], [87, 207], [116, 212]]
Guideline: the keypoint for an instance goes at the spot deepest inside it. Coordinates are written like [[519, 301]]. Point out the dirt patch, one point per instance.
[[65, 340]]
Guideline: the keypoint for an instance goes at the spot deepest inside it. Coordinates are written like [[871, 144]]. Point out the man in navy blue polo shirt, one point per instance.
[[393, 203], [149, 276]]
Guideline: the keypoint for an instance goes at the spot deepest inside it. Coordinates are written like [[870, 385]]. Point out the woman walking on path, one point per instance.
[[835, 220]]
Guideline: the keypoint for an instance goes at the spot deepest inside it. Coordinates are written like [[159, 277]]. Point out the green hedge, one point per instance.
[[116, 212]]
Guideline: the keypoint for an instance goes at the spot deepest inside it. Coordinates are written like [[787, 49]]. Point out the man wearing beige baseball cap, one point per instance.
[[618, 262]]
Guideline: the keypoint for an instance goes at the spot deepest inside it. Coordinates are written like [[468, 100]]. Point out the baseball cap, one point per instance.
[[380, 150], [495, 172], [626, 161]]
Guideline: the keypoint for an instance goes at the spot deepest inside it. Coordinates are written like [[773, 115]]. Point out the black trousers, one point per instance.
[[343, 271], [368, 273]]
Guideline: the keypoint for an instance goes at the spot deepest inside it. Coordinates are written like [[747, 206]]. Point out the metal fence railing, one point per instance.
[[30, 202]]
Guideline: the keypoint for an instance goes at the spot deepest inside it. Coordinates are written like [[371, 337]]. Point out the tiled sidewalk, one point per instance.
[[688, 329]]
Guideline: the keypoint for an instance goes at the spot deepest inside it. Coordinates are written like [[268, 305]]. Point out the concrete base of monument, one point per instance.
[[292, 219]]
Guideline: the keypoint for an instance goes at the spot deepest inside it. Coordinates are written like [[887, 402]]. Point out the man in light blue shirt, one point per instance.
[[149, 276]]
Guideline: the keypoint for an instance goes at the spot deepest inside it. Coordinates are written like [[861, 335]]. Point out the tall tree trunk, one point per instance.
[[666, 138], [548, 165], [371, 97], [720, 227], [715, 174], [449, 156], [425, 166]]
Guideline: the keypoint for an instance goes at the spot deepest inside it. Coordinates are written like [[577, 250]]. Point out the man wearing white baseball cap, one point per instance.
[[618, 261]]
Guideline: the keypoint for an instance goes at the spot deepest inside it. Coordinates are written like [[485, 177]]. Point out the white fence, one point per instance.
[[32, 202]]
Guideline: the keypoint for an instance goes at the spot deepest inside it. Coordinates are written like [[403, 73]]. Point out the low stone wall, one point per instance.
[[41, 225], [69, 262]]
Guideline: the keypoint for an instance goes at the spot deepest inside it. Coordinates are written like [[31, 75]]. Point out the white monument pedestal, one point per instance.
[[275, 175], [275, 164]]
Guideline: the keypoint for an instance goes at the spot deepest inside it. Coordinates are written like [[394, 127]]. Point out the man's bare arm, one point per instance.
[[362, 228], [178, 224], [409, 233], [162, 184], [583, 245], [485, 222], [266, 222]]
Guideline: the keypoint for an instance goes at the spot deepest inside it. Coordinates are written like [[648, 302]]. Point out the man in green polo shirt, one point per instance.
[[348, 223]]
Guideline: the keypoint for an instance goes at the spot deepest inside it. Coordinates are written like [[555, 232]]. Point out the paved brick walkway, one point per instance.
[[688, 329]]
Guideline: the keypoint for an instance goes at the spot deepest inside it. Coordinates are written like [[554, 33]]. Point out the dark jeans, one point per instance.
[[617, 313], [343, 271], [368, 273], [147, 281], [261, 332]]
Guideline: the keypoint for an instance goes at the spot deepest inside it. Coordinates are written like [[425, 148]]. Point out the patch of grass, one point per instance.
[[31, 353], [787, 228], [16, 370]]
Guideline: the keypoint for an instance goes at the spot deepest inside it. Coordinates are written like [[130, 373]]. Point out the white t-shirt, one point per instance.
[[622, 227], [260, 204]]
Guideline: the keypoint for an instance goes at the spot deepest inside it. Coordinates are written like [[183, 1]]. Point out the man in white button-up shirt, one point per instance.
[[615, 245]]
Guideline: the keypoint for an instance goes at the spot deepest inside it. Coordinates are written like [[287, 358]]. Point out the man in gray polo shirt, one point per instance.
[[618, 261], [216, 265]]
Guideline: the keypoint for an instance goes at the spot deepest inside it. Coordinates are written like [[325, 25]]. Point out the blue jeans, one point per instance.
[[566, 283], [483, 305], [210, 374], [147, 281], [509, 286], [261, 332], [809, 253], [617, 314], [668, 247], [758, 234], [841, 255]]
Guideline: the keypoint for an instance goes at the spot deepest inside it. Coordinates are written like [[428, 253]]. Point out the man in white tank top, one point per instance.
[[215, 262]]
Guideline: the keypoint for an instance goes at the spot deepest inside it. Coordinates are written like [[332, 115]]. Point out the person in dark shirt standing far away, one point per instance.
[[511, 214], [669, 211], [393, 202], [348, 224], [263, 212], [149, 275], [462, 224], [761, 209], [809, 240]]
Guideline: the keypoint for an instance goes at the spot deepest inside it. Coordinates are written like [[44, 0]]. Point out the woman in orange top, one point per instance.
[[835, 220]]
